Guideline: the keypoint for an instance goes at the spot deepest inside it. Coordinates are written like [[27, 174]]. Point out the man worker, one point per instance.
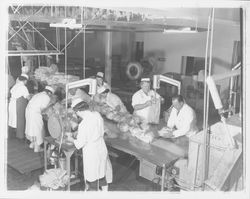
[[112, 100], [101, 83], [182, 120], [143, 100]]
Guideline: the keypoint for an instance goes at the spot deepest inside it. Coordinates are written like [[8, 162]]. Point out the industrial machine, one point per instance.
[[224, 148]]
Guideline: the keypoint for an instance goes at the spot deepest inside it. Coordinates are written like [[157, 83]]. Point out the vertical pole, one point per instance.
[[65, 42], [84, 51], [204, 105], [163, 177], [83, 15], [206, 100], [45, 155], [245, 43], [108, 55]]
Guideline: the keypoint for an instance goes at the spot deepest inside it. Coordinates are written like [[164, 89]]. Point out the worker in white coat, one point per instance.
[[94, 150], [18, 91], [182, 120], [143, 99], [34, 122], [113, 101], [101, 83]]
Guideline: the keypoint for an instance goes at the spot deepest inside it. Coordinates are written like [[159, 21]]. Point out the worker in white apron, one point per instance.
[[97, 168], [17, 91], [182, 120], [143, 99], [34, 130]]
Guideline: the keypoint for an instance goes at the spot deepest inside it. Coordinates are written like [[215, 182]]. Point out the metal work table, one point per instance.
[[149, 152], [153, 152]]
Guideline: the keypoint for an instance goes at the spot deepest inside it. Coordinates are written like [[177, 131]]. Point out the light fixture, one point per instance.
[[185, 30], [67, 23]]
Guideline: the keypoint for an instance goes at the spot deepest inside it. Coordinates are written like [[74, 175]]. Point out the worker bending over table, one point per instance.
[[182, 120], [144, 100], [112, 100], [97, 168], [34, 130]]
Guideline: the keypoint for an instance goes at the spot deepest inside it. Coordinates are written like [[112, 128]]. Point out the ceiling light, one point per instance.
[[67, 23], [184, 30]]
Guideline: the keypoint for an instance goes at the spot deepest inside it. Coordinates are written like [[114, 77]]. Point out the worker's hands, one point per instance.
[[70, 139], [166, 132], [148, 103], [169, 135]]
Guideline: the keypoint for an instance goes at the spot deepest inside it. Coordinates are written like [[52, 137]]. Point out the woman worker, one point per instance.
[[34, 122], [18, 102], [97, 167]]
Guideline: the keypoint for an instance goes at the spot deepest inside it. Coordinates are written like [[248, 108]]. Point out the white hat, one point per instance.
[[100, 74], [145, 79], [75, 102], [50, 89], [25, 75]]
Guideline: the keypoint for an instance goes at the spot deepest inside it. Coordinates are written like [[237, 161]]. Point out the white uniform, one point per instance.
[[184, 121], [18, 90], [140, 98], [113, 100], [100, 88], [80, 94], [94, 150], [34, 123]]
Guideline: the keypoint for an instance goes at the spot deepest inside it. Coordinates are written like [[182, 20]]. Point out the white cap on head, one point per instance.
[[75, 102], [145, 79], [100, 74], [50, 89], [25, 75]]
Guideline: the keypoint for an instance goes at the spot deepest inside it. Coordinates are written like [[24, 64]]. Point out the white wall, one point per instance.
[[174, 46]]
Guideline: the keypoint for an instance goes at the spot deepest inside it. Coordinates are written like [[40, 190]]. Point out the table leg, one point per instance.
[[163, 177], [68, 156], [45, 155], [76, 164]]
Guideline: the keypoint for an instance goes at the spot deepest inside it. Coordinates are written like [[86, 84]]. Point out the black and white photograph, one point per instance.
[[108, 98]]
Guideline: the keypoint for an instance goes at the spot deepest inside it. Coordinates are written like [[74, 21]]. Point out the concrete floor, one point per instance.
[[124, 178]]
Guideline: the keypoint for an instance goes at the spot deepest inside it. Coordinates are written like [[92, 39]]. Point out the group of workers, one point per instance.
[[90, 134]]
